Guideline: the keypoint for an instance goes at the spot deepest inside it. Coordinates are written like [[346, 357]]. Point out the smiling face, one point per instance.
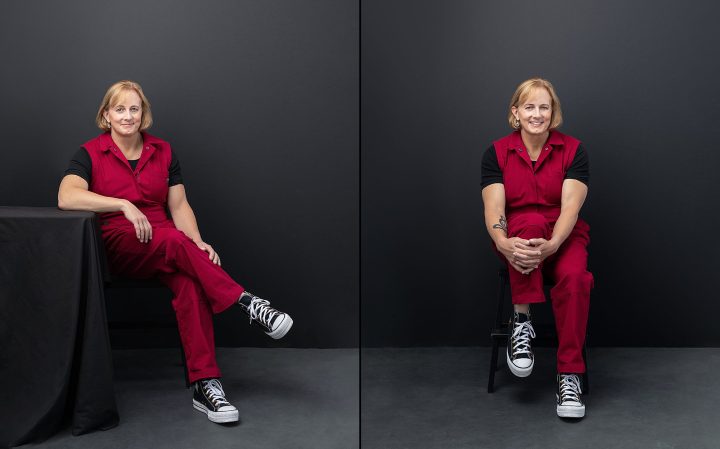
[[125, 116], [535, 112]]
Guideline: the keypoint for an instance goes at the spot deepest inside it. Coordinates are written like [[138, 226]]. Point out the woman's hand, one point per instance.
[[546, 247], [143, 230], [212, 255], [521, 255]]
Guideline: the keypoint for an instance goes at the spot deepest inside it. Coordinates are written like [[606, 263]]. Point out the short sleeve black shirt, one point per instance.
[[490, 169], [81, 165]]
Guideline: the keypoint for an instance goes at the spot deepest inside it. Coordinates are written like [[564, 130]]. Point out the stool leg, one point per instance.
[[184, 361], [493, 366], [586, 377], [502, 282], [185, 370]]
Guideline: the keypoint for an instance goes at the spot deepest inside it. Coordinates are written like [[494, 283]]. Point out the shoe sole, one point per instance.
[[570, 411], [217, 417], [282, 329], [519, 372]]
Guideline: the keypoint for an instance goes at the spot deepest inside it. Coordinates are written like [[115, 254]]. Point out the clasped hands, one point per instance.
[[526, 255]]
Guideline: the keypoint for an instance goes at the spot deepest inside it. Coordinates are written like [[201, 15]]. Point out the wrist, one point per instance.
[[554, 245], [500, 241]]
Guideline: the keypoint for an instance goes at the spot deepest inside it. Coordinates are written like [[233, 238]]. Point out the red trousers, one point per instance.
[[201, 288], [570, 296]]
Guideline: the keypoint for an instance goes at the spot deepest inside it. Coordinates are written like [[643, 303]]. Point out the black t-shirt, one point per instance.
[[491, 173], [81, 165]]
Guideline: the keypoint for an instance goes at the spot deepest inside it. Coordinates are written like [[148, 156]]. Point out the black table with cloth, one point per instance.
[[55, 356]]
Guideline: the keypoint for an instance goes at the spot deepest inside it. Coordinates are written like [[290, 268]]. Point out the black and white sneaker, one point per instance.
[[520, 358], [209, 398], [569, 402], [275, 323]]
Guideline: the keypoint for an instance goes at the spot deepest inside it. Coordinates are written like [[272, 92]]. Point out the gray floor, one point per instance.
[[640, 398], [287, 398], [419, 398]]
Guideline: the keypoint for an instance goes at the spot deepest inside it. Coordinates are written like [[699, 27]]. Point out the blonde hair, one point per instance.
[[524, 90], [111, 97]]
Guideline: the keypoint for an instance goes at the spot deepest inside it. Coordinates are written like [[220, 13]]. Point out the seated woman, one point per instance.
[[131, 179], [534, 184]]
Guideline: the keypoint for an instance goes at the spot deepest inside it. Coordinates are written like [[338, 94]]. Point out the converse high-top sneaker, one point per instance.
[[520, 358], [275, 323]]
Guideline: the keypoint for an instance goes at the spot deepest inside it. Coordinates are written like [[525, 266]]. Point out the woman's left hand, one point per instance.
[[546, 247], [212, 255]]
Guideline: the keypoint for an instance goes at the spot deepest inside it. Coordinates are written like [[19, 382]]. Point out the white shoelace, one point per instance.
[[260, 310], [522, 333], [569, 388], [214, 392]]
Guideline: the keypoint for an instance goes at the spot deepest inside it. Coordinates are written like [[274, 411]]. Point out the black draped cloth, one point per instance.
[[55, 357]]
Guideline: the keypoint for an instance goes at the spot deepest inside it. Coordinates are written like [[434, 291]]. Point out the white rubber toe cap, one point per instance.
[[520, 367], [523, 363]]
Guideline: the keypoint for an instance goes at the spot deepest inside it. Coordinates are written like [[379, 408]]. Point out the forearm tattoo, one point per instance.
[[502, 225]]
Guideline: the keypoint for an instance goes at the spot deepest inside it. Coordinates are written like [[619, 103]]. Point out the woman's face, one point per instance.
[[125, 116], [535, 113]]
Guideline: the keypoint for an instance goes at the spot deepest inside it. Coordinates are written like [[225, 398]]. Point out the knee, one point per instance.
[[529, 225], [174, 239]]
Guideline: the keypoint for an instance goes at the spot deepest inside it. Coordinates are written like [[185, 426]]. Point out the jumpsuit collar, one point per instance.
[[516, 144], [148, 149]]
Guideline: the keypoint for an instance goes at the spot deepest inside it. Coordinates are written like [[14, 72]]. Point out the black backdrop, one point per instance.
[[638, 84], [260, 101]]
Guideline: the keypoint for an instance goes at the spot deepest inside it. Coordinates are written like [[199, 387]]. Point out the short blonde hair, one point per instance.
[[523, 91], [111, 97]]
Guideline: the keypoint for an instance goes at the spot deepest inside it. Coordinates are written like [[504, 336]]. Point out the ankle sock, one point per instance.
[[245, 300]]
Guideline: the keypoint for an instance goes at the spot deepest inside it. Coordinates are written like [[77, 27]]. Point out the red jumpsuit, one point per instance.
[[201, 288], [532, 205]]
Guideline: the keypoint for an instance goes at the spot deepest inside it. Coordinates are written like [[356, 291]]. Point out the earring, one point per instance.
[[517, 123]]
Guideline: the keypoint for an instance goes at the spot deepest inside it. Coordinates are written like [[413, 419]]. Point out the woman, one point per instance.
[[132, 179], [535, 181]]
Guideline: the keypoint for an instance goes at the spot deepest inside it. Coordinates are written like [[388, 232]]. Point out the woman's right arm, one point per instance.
[[73, 194], [517, 251]]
